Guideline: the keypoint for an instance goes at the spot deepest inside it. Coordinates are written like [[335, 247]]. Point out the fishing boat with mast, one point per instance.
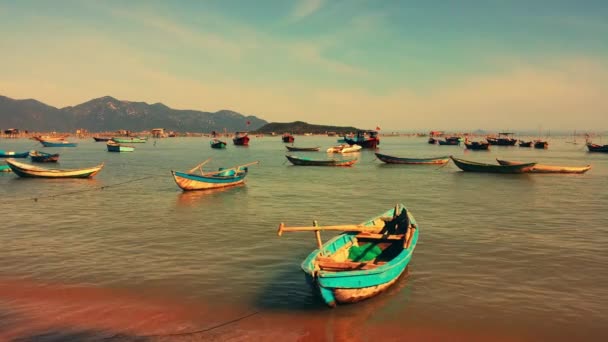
[[223, 177], [363, 261]]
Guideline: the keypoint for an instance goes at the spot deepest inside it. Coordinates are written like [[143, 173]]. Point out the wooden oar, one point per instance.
[[342, 228], [231, 168], [199, 166]]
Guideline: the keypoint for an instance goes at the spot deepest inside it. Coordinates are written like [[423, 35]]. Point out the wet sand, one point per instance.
[[35, 311]]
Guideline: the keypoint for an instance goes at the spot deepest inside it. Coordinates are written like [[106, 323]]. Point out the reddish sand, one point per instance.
[[36, 311]]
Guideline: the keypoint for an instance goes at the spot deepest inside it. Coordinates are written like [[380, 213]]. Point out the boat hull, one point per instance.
[[310, 162], [11, 154], [30, 171], [539, 168], [597, 148], [477, 146], [412, 161], [218, 145], [288, 139], [59, 143], [192, 182], [132, 140], [99, 139], [119, 148], [303, 149], [41, 157], [470, 166], [344, 287]]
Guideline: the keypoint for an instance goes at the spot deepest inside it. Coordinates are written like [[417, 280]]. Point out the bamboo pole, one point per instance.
[[199, 166], [318, 235], [230, 168], [342, 228]]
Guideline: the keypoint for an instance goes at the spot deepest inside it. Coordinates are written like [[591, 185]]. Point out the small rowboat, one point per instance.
[[101, 139], [288, 138], [539, 168], [364, 260], [129, 140], [11, 154], [541, 144], [303, 149], [315, 162], [57, 143], [113, 146], [525, 143], [224, 177], [451, 141], [345, 148], [216, 143], [27, 170], [471, 166], [43, 157], [597, 148], [477, 146], [413, 161], [5, 168]]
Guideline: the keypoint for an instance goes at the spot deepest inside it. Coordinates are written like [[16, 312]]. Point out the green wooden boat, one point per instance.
[[470, 166], [129, 140]]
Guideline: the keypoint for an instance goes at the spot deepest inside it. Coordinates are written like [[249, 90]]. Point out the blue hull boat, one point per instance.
[[11, 154], [346, 269], [58, 143]]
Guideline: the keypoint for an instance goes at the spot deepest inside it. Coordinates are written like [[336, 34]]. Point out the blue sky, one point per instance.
[[401, 65]]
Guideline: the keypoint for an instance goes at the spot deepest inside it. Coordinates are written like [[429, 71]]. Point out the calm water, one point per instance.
[[506, 255]]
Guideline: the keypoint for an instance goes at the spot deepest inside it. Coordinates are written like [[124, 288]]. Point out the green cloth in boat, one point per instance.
[[364, 253]]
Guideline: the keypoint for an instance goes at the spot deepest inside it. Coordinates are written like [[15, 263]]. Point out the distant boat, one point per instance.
[[101, 139], [288, 138], [344, 149], [525, 143], [471, 166], [113, 146], [503, 139], [453, 141], [28, 170], [224, 177], [541, 144], [57, 143], [412, 161], [539, 168], [43, 157], [240, 139], [365, 139], [597, 148], [363, 261], [477, 146], [218, 144], [323, 162], [433, 140], [303, 149], [129, 140], [12, 154]]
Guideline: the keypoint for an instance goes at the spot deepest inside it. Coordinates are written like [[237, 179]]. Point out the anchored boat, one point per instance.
[[413, 161], [27, 170]]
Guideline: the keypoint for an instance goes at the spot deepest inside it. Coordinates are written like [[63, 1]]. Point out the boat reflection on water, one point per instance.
[[192, 198]]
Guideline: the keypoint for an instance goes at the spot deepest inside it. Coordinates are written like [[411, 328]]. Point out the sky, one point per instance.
[[396, 64]]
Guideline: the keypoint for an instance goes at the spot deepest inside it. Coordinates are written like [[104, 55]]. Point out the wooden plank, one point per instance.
[[379, 236], [326, 263]]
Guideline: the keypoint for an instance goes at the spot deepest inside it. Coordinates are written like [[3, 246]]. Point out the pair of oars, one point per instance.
[[317, 229]]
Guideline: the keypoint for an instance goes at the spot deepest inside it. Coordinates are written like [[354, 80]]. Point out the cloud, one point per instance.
[[305, 8]]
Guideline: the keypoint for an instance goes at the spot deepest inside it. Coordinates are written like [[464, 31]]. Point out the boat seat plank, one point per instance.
[[380, 236], [326, 263]]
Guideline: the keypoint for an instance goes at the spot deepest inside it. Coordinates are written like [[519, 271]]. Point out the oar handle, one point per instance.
[[345, 227]]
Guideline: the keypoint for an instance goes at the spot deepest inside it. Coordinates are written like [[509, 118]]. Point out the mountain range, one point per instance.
[[109, 114]]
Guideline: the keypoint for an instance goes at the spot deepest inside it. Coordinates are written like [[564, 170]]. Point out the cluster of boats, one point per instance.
[[503, 139]]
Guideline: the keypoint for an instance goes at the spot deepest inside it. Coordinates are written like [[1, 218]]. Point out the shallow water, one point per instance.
[[521, 256]]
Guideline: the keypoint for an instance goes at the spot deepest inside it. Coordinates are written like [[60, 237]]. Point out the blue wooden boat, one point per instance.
[[129, 140], [57, 143], [216, 143], [320, 162], [471, 166], [364, 260], [113, 146], [413, 161], [224, 177], [43, 157], [12, 154], [5, 168]]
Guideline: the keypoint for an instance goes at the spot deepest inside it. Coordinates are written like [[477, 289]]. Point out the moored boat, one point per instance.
[[301, 161], [12, 154], [503, 139], [541, 144], [365, 139], [43, 157], [345, 148], [453, 141], [113, 146], [129, 140], [303, 149], [57, 143], [224, 177], [541, 168], [477, 146], [412, 161], [240, 139], [216, 143], [288, 138], [28, 170], [525, 143], [101, 139], [471, 166], [363, 261], [597, 148], [5, 168]]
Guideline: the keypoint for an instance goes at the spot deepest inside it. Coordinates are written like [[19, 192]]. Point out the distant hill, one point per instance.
[[109, 114], [299, 127]]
